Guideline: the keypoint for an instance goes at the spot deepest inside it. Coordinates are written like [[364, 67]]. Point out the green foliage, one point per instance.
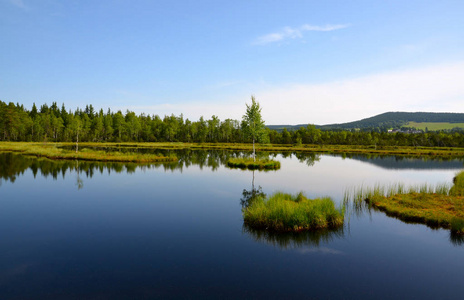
[[253, 124], [286, 212], [54, 124]]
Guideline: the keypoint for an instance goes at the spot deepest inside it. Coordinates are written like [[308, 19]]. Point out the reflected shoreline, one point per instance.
[[14, 164]]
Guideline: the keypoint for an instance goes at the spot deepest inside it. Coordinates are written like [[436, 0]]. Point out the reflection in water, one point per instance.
[[308, 158], [12, 165], [456, 239], [294, 240], [248, 196], [404, 162], [79, 181], [186, 157], [165, 244]]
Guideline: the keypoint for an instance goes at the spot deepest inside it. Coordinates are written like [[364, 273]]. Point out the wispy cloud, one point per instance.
[[19, 3], [294, 33]]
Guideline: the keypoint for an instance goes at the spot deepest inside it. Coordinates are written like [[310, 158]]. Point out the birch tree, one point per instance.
[[253, 124]]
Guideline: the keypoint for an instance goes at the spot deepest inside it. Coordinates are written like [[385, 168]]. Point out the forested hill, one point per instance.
[[386, 121]]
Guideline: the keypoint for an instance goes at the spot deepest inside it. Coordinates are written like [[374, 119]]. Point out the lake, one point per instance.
[[80, 230]]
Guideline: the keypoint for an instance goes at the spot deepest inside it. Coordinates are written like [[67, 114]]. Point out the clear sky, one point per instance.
[[316, 62]]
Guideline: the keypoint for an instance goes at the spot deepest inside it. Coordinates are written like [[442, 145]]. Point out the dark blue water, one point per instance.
[[90, 231]]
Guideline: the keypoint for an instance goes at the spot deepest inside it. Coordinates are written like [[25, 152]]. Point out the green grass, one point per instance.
[[433, 126], [54, 151], [249, 163], [458, 187], [436, 206], [285, 212]]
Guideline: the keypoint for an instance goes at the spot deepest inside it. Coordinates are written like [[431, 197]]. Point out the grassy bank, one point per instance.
[[354, 149], [54, 151], [284, 212], [447, 152], [435, 206], [249, 163]]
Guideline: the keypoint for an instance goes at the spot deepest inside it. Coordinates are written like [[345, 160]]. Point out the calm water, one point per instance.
[[72, 230]]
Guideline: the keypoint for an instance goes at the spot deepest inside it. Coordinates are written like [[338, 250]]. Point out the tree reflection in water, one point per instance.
[[248, 196], [13, 164]]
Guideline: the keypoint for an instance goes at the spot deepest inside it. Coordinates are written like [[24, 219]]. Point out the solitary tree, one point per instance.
[[253, 124], [75, 125]]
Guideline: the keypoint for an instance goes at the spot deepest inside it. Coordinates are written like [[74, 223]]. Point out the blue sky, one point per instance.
[[314, 62]]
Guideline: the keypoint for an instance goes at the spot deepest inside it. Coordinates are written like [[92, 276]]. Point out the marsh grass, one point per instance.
[[458, 187], [283, 212], [444, 152], [249, 163], [437, 206], [54, 151]]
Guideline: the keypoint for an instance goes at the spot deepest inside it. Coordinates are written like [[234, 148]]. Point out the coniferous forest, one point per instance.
[[57, 124]]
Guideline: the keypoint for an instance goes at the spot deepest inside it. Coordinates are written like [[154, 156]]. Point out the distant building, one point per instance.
[[404, 131]]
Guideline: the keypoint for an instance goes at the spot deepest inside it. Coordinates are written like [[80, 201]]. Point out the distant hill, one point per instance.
[[386, 121]]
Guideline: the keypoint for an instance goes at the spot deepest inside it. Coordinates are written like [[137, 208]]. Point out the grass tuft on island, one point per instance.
[[439, 206], [54, 151], [249, 163], [283, 212]]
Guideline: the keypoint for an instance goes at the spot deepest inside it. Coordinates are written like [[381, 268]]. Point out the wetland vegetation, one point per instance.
[[285, 212], [441, 205], [57, 151]]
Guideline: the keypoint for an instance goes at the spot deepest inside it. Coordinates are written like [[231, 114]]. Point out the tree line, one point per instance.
[[57, 124]]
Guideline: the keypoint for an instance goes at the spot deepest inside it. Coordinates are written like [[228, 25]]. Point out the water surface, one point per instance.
[[74, 230]]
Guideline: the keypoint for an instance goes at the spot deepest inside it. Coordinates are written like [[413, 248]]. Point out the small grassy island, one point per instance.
[[55, 151], [249, 163], [285, 212], [442, 206]]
